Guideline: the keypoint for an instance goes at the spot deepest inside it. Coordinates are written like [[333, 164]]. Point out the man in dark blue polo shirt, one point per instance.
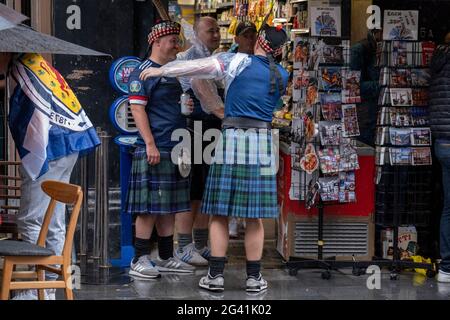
[[156, 189]]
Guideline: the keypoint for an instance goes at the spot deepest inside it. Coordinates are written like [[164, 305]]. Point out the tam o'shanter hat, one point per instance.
[[163, 28], [272, 39]]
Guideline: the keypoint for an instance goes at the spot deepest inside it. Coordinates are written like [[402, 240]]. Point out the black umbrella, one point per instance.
[[9, 18], [23, 39]]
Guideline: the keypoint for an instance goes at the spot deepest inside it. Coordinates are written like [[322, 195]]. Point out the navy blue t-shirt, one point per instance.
[[249, 93], [160, 97]]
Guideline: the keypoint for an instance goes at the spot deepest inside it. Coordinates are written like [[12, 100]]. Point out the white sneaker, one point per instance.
[[191, 256], [50, 294], [173, 264], [144, 269], [256, 285], [443, 277], [26, 295], [205, 252], [215, 284]]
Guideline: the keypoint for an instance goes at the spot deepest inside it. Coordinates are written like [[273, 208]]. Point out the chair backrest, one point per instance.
[[68, 194]]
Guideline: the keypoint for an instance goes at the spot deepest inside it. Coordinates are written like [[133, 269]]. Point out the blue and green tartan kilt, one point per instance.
[[242, 177], [156, 190]]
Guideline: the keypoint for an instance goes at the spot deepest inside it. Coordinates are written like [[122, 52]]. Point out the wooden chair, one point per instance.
[[9, 191], [22, 253]]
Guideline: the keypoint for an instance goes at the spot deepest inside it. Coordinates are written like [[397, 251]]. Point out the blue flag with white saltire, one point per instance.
[[46, 119]]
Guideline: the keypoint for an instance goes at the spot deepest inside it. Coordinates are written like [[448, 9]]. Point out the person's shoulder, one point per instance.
[[138, 70], [186, 54], [284, 72]]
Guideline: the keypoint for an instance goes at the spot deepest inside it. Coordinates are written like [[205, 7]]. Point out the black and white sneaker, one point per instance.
[[256, 285], [212, 283], [143, 268]]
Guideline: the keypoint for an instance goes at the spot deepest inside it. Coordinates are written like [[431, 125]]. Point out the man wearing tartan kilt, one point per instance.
[[156, 189], [242, 178]]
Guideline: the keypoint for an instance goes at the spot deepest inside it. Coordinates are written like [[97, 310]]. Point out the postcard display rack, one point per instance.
[[403, 140], [325, 93]]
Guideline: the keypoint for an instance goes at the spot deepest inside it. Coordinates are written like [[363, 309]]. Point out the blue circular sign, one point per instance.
[[120, 71], [121, 117]]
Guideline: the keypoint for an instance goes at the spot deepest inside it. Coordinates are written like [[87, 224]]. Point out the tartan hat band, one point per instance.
[[164, 28], [262, 41]]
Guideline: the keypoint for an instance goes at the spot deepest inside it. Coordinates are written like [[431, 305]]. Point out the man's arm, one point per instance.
[[206, 92], [143, 125]]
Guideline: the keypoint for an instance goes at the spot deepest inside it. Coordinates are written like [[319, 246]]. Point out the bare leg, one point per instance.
[[144, 226], [219, 238], [254, 239]]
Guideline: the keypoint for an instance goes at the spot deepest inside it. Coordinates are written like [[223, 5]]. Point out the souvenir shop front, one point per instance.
[[340, 198]]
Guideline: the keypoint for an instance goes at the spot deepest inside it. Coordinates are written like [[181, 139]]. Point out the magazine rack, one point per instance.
[[391, 179], [403, 139]]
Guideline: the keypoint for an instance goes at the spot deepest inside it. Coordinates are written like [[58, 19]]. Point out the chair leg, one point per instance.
[[6, 281], [41, 277], [68, 282]]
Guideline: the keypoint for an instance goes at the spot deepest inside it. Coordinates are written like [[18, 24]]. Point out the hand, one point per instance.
[[150, 73], [153, 156], [190, 105]]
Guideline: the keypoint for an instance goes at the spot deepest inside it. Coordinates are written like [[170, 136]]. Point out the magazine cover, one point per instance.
[[351, 86], [348, 157], [315, 49], [400, 137], [296, 156], [325, 20], [298, 130], [329, 159], [331, 106], [330, 132], [421, 157], [329, 188], [312, 92], [400, 78], [400, 156], [401, 54], [421, 136], [420, 97], [428, 48], [330, 78], [400, 25], [301, 53], [419, 116], [347, 187], [310, 161], [332, 55], [350, 127], [420, 77], [400, 117], [401, 97]]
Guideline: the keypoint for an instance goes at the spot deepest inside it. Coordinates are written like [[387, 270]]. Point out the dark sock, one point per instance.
[[201, 238], [216, 265], [141, 248], [254, 269], [183, 240], [165, 247]]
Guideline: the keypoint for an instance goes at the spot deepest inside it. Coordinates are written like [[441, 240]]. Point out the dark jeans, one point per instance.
[[442, 149]]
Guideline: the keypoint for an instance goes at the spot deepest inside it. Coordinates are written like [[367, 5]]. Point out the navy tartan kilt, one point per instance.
[[157, 190], [240, 183]]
